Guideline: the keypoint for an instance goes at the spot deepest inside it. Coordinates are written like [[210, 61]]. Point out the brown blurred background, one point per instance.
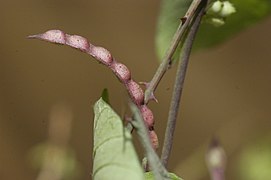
[[227, 90]]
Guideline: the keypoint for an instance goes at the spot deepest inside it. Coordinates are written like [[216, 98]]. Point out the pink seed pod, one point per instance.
[[154, 140], [135, 91], [77, 42], [102, 54], [121, 71], [147, 116], [54, 36]]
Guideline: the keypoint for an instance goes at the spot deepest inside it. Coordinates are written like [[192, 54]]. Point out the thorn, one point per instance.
[[183, 19], [152, 97], [146, 84], [169, 64]]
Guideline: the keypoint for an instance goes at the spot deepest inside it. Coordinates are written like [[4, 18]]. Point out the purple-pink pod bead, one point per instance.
[[147, 116], [122, 72], [135, 91], [102, 54], [154, 140], [78, 42], [55, 36]]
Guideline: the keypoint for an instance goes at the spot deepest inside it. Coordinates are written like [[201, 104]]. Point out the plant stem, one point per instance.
[[157, 167], [178, 87], [185, 22]]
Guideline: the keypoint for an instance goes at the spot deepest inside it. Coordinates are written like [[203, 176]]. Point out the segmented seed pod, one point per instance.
[[154, 139], [54, 36], [135, 92], [77, 42], [147, 116], [121, 71], [101, 54]]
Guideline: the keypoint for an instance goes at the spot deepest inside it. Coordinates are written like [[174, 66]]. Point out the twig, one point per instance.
[[185, 22], [158, 169], [178, 87]]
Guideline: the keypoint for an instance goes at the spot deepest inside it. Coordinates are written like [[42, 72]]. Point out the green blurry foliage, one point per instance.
[[247, 13], [255, 160], [150, 176], [61, 160]]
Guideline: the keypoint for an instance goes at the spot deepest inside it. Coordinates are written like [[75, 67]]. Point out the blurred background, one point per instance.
[[47, 92]]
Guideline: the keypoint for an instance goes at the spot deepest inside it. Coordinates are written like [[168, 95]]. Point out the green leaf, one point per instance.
[[150, 176], [113, 153], [247, 13]]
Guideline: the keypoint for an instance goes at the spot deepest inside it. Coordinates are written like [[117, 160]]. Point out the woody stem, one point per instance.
[[178, 87]]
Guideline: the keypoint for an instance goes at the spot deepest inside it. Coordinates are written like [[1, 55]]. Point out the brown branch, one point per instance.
[[178, 87], [184, 24]]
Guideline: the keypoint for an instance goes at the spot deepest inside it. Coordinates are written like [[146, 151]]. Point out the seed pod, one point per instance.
[[101, 54], [154, 139], [122, 72], [135, 91], [77, 42], [54, 36], [147, 116]]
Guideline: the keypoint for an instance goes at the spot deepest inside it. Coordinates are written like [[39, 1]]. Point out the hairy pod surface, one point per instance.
[[101, 54], [147, 116], [154, 139], [122, 72], [135, 92], [77, 42], [55, 36]]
